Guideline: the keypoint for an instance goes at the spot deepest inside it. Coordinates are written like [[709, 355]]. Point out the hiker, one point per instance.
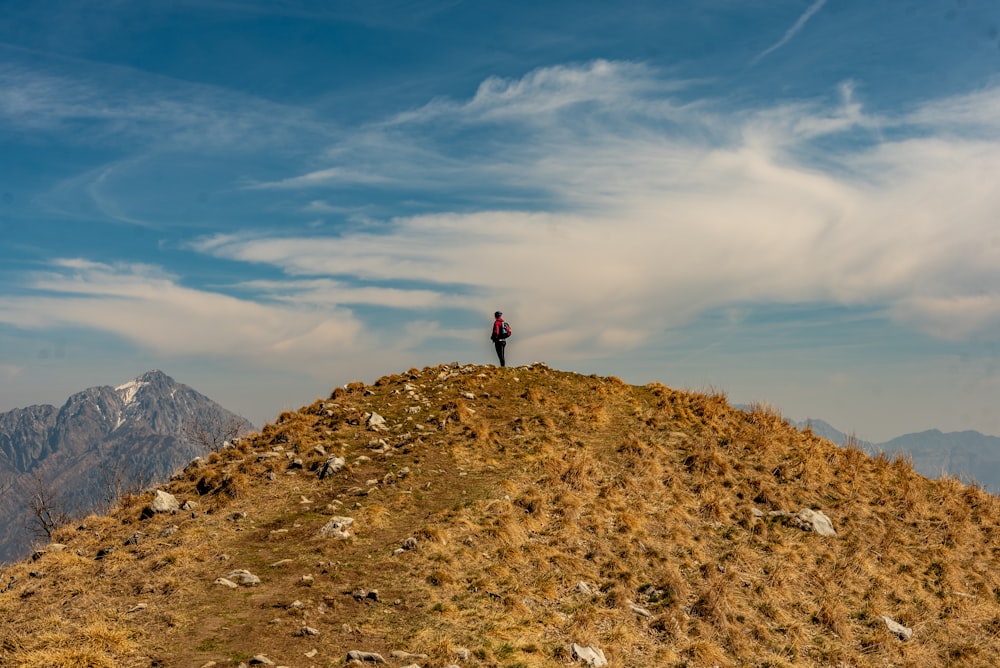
[[501, 331]]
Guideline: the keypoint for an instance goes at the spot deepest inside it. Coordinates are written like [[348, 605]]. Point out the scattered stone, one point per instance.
[[332, 465], [468, 395], [282, 562], [410, 543], [376, 422], [463, 654], [757, 512], [897, 629], [364, 595], [237, 516], [592, 656], [319, 450], [136, 608], [261, 660], [337, 527], [642, 612], [584, 588], [296, 605], [371, 657], [307, 631], [226, 583], [163, 503], [103, 552], [169, 531], [307, 580], [296, 463], [243, 577], [135, 538], [311, 653], [808, 519]]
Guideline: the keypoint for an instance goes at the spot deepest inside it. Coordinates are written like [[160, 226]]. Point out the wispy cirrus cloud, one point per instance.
[[636, 208], [322, 177], [791, 32], [128, 109], [659, 210]]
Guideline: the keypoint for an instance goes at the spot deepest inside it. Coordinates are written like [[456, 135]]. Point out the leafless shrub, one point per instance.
[[49, 508], [213, 432]]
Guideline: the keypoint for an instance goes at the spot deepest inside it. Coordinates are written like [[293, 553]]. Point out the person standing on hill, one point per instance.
[[501, 332]]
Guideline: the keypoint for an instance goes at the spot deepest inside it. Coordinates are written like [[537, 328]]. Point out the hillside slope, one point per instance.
[[502, 515]]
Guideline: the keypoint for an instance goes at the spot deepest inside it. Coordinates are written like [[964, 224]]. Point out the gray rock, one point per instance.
[[243, 577], [371, 657], [337, 527], [808, 519], [897, 629], [226, 583], [584, 588], [592, 656], [261, 660], [164, 503], [308, 631], [376, 422], [463, 654], [332, 465], [642, 612]]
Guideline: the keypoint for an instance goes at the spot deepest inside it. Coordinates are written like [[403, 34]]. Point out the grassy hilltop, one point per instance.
[[502, 515]]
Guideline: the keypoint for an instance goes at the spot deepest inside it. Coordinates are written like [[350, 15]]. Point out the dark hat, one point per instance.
[[497, 314]]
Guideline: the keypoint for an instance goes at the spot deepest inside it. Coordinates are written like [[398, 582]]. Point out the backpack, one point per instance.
[[504, 331]]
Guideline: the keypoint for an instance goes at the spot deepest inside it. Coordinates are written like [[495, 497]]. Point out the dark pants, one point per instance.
[[500, 346]]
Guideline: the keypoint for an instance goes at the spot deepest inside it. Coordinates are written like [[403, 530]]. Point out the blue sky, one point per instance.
[[794, 202]]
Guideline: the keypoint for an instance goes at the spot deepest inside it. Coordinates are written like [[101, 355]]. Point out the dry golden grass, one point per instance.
[[546, 511]]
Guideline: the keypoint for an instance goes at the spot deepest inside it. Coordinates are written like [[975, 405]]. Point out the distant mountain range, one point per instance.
[[968, 455], [61, 463]]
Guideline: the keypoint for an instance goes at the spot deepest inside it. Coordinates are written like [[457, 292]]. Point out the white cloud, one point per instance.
[[150, 309], [665, 210], [652, 212]]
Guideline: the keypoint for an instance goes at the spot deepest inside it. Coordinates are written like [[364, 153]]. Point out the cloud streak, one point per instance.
[[791, 32]]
